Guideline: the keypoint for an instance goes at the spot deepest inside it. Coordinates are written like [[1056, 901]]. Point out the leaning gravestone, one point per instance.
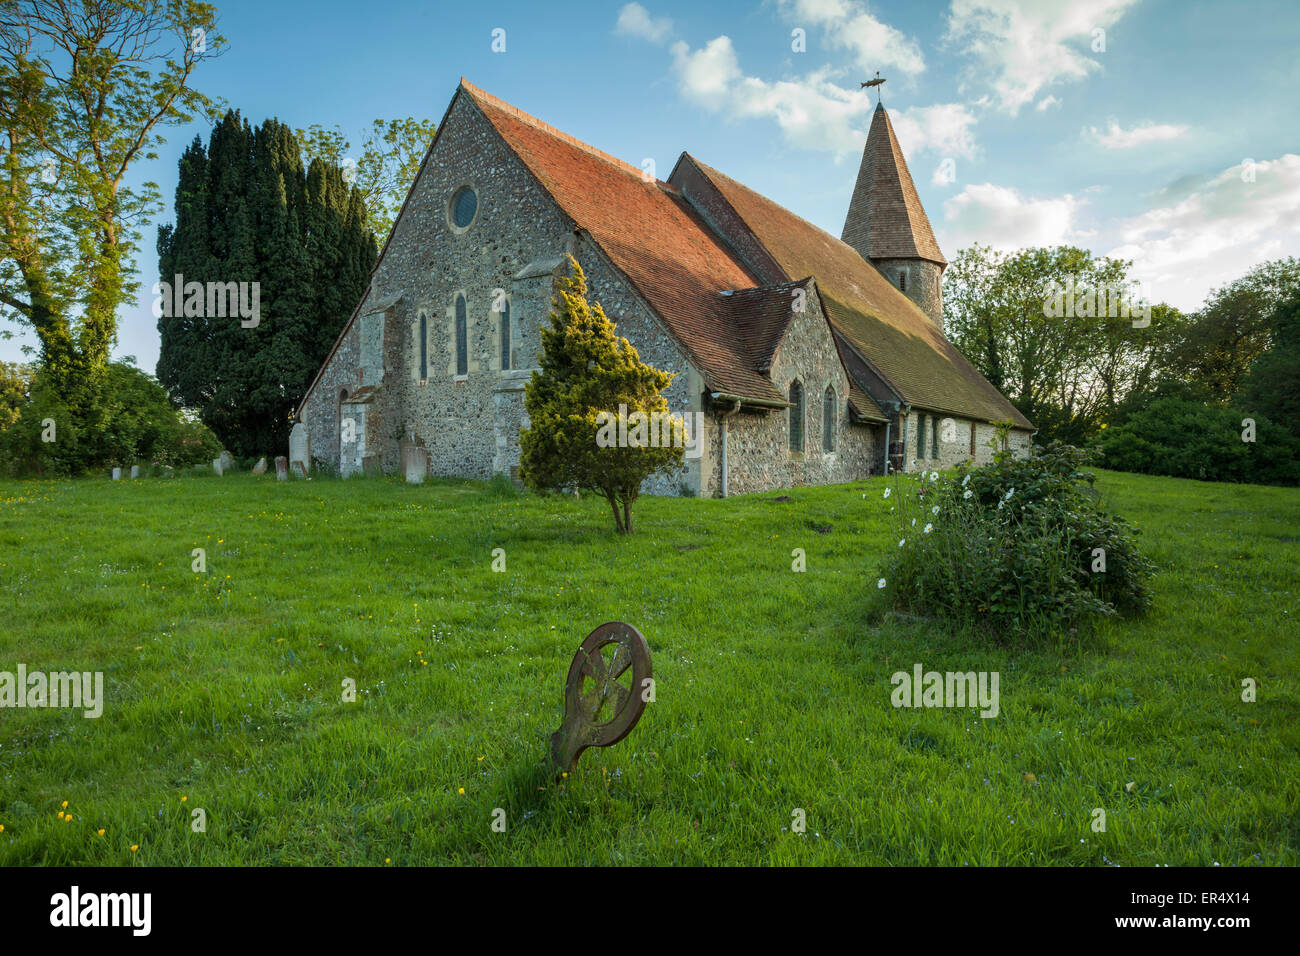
[[299, 447], [281, 468], [117, 474], [260, 467], [216, 466], [135, 471], [227, 462], [608, 686], [415, 462]]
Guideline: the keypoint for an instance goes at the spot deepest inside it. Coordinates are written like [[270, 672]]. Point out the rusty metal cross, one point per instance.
[[600, 708]]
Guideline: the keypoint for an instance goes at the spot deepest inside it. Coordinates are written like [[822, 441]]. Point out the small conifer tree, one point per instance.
[[586, 370]]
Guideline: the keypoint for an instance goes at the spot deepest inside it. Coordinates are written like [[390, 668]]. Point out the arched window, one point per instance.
[[462, 338], [796, 416], [505, 336], [920, 436], [828, 420], [424, 347]]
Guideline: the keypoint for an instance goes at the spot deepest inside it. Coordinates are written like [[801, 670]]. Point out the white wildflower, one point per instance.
[[967, 493], [888, 492], [880, 583], [929, 528]]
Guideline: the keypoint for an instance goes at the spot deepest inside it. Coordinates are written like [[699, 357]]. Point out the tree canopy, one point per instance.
[[247, 211], [384, 170], [1037, 324]]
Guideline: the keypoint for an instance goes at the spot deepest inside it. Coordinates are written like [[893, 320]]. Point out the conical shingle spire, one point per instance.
[[887, 223], [886, 219]]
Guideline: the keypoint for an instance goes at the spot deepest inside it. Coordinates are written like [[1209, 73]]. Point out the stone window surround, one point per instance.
[[458, 297], [803, 424], [422, 348], [478, 206], [834, 404], [514, 333]]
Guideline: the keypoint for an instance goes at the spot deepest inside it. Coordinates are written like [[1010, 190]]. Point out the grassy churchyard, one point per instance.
[[223, 688]]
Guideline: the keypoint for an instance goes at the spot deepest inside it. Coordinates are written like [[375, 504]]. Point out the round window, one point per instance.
[[464, 204]]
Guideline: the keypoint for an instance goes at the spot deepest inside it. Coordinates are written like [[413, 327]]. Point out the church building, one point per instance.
[[809, 359]]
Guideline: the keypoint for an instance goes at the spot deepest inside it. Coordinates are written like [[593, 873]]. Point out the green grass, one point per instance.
[[773, 689]]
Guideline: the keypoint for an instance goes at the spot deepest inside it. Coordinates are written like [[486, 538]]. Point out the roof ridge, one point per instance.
[[768, 287], [808, 222], [496, 102]]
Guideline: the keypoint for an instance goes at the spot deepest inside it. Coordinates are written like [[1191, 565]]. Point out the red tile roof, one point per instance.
[[650, 234], [882, 324]]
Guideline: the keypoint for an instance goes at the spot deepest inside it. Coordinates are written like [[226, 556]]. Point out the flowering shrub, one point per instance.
[[1018, 549]]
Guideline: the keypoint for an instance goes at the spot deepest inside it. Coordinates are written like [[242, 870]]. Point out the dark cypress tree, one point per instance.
[[301, 235]]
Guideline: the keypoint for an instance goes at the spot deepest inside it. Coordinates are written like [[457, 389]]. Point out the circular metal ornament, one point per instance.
[[604, 694]]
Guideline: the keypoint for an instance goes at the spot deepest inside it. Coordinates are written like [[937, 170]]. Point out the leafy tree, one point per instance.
[[390, 158], [247, 211], [142, 425], [1234, 327], [1064, 372], [587, 369], [1273, 383], [85, 85], [15, 380]]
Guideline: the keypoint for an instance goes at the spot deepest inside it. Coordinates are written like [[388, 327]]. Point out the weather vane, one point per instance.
[[876, 83]]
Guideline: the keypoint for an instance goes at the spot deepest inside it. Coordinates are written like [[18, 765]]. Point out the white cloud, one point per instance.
[[1027, 45], [634, 20], [1001, 217], [1046, 103], [1116, 137], [847, 25], [1217, 233], [945, 128], [812, 111]]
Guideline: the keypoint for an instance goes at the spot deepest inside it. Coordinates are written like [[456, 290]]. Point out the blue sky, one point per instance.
[[1022, 124]]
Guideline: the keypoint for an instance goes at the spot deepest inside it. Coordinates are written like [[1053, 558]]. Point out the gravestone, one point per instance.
[[227, 462], [371, 466], [281, 468], [299, 446], [216, 466], [135, 471], [608, 685], [298, 469], [260, 467], [117, 474], [416, 464]]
